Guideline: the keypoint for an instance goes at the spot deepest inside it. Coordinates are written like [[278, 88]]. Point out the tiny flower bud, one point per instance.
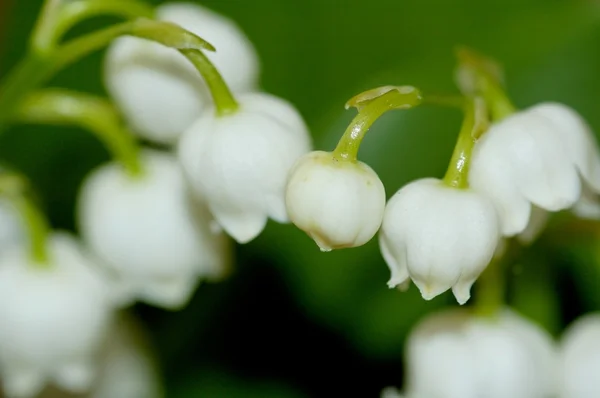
[[159, 91], [580, 359], [149, 232], [337, 203], [54, 318], [239, 163], [438, 236], [453, 354]]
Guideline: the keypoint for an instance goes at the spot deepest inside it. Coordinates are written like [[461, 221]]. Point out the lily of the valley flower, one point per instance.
[[580, 359], [438, 236], [159, 92], [53, 316], [337, 203], [537, 156], [11, 226], [453, 354], [238, 163], [149, 231], [440, 233]]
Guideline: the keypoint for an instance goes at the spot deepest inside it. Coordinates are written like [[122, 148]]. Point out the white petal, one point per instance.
[[537, 222], [396, 262], [170, 292]]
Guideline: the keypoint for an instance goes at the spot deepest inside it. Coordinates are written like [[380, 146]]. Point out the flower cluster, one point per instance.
[[508, 356], [226, 158], [154, 223]]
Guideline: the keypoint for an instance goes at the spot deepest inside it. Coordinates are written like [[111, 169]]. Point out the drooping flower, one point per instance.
[[453, 354], [537, 156], [580, 359], [238, 163], [438, 236], [54, 318], [149, 231], [337, 203], [159, 92]]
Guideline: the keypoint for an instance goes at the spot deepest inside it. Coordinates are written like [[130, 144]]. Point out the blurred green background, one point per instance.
[[293, 321]]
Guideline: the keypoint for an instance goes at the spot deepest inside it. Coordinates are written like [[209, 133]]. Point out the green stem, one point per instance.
[[489, 288], [348, 146], [451, 101], [76, 11], [44, 27], [63, 107], [496, 98], [14, 188], [457, 175], [223, 98], [36, 69]]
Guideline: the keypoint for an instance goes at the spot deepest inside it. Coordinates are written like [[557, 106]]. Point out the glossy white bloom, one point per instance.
[[149, 231], [338, 204], [580, 359], [52, 320], [158, 90], [537, 156], [239, 163], [438, 236], [453, 354]]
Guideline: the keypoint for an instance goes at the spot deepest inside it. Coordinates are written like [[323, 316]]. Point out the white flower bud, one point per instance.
[[54, 319], [580, 359], [338, 204], [239, 163], [440, 237], [158, 90], [453, 354], [148, 230], [535, 157]]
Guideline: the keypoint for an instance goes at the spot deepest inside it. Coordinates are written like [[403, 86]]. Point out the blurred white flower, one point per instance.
[[53, 318], [239, 163], [438, 236], [159, 92], [453, 354], [149, 231], [537, 156], [580, 359], [337, 203]]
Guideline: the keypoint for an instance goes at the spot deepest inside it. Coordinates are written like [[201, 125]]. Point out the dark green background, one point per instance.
[[294, 321]]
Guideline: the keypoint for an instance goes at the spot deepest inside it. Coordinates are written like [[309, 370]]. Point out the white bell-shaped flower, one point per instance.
[[159, 92], [453, 354], [53, 318], [438, 236], [337, 203], [580, 359], [239, 163], [537, 156], [149, 231]]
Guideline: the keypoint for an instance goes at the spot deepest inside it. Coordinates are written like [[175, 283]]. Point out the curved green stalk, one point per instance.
[[224, 100], [64, 107], [44, 26], [372, 104], [14, 188], [457, 175], [36, 69]]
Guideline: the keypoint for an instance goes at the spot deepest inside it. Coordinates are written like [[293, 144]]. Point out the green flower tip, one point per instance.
[[472, 66], [361, 100], [170, 35]]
